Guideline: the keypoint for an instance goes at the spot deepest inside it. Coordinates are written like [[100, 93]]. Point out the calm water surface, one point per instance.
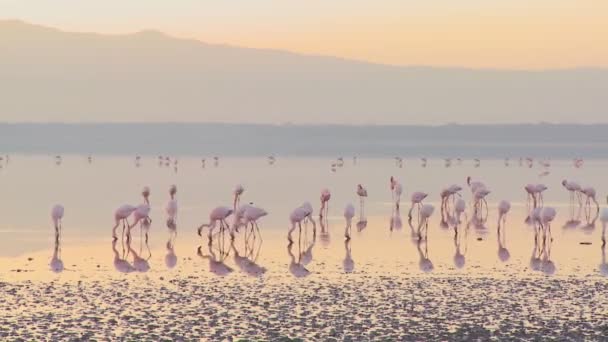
[[90, 193]]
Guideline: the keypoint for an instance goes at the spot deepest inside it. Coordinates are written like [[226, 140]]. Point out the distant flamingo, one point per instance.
[[325, 196], [416, 199], [57, 216], [349, 213], [362, 193], [238, 191], [217, 215]]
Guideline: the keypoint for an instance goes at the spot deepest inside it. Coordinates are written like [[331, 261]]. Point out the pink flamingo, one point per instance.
[[479, 198], [120, 215], [547, 216], [589, 193], [503, 209], [416, 199], [574, 189], [57, 216], [349, 213], [171, 208], [397, 194], [362, 193], [141, 214], [325, 196], [448, 192], [474, 185], [238, 191], [252, 215], [426, 211], [530, 189], [298, 215], [217, 215], [604, 220]]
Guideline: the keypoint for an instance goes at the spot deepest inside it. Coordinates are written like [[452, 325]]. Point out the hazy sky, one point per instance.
[[526, 34]]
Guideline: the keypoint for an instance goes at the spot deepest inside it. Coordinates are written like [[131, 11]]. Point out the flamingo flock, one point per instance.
[[246, 216]]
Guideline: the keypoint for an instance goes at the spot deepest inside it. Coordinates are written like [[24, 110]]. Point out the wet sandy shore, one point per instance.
[[346, 307]]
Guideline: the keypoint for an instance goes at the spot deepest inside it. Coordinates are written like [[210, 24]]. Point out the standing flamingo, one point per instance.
[[589, 193], [325, 196], [217, 215], [362, 193], [417, 198], [397, 193], [349, 213], [238, 191], [604, 219], [171, 208], [574, 189], [57, 216], [120, 216], [448, 192], [425, 213], [474, 185], [297, 216], [252, 215], [503, 209], [547, 216], [141, 214]]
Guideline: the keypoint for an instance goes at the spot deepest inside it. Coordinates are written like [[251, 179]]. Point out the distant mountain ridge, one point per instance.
[[49, 75]]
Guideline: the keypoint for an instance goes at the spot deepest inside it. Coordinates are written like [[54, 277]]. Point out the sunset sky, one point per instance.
[[513, 34]]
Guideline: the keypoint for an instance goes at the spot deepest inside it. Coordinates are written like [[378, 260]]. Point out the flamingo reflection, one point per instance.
[[604, 265], [120, 262], [216, 260], [425, 264], [139, 263], [171, 257], [503, 252], [604, 219], [324, 234], [348, 263], [295, 265], [459, 238], [396, 222], [247, 261], [56, 263]]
